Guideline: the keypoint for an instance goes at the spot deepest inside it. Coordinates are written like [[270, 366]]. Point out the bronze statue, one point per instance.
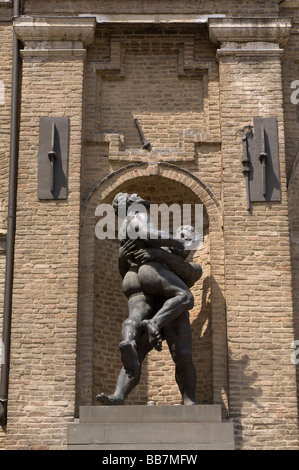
[[156, 281]]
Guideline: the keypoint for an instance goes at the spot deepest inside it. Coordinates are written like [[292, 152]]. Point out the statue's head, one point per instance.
[[123, 201], [191, 237]]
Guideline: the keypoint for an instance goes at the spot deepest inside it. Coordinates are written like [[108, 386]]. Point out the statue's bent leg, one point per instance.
[[139, 306], [159, 281], [153, 332], [129, 357], [179, 340], [126, 384]]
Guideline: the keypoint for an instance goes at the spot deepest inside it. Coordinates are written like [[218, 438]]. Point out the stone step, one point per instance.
[[151, 436], [151, 428], [150, 414]]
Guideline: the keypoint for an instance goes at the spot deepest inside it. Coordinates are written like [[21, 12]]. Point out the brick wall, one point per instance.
[[5, 98], [259, 305], [290, 73], [120, 65], [5, 89], [214, 104], [42, 378]]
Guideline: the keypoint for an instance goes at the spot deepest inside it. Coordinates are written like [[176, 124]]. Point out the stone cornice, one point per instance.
[[51, 30], [159, 18], [289, 4], [240, 30], [257, 48]]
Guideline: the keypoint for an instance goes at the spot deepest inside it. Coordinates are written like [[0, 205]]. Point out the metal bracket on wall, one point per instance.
[[53, 157], [261, 161]]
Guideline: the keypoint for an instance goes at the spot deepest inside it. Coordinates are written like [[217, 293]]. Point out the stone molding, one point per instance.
[[58, 35], [258, 48], [289, 4], [249, 35], [153, 18], [189, 143]]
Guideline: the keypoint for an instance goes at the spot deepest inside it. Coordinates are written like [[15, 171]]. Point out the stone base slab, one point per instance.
[[179, 427]]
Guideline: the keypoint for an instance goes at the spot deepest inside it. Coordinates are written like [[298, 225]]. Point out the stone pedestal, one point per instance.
[[151, 428]]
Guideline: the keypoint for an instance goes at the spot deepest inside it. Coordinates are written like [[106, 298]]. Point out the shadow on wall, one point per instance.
[[202, 342], [242, 391]]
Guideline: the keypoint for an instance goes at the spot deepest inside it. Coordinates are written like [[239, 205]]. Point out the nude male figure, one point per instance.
[[177, 333], [155, 280]]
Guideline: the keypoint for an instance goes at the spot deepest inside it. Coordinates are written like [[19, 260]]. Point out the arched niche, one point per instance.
[[103, 306]]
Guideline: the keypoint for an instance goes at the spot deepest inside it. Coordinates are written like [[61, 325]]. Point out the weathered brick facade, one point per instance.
[[195, 84]]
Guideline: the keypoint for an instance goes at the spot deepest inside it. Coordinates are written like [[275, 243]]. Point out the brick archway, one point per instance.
[[91, 290], [110, 184]]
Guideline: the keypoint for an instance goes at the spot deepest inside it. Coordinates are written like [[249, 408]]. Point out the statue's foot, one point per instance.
[[154, 335], [187, 400], [109, 399], [129, 357]]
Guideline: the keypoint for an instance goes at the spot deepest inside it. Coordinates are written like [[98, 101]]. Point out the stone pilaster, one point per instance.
[[262, 391], [45, 295]]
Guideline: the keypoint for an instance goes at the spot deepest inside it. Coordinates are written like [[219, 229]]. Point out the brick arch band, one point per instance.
[[103, 192], [111, 182]]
